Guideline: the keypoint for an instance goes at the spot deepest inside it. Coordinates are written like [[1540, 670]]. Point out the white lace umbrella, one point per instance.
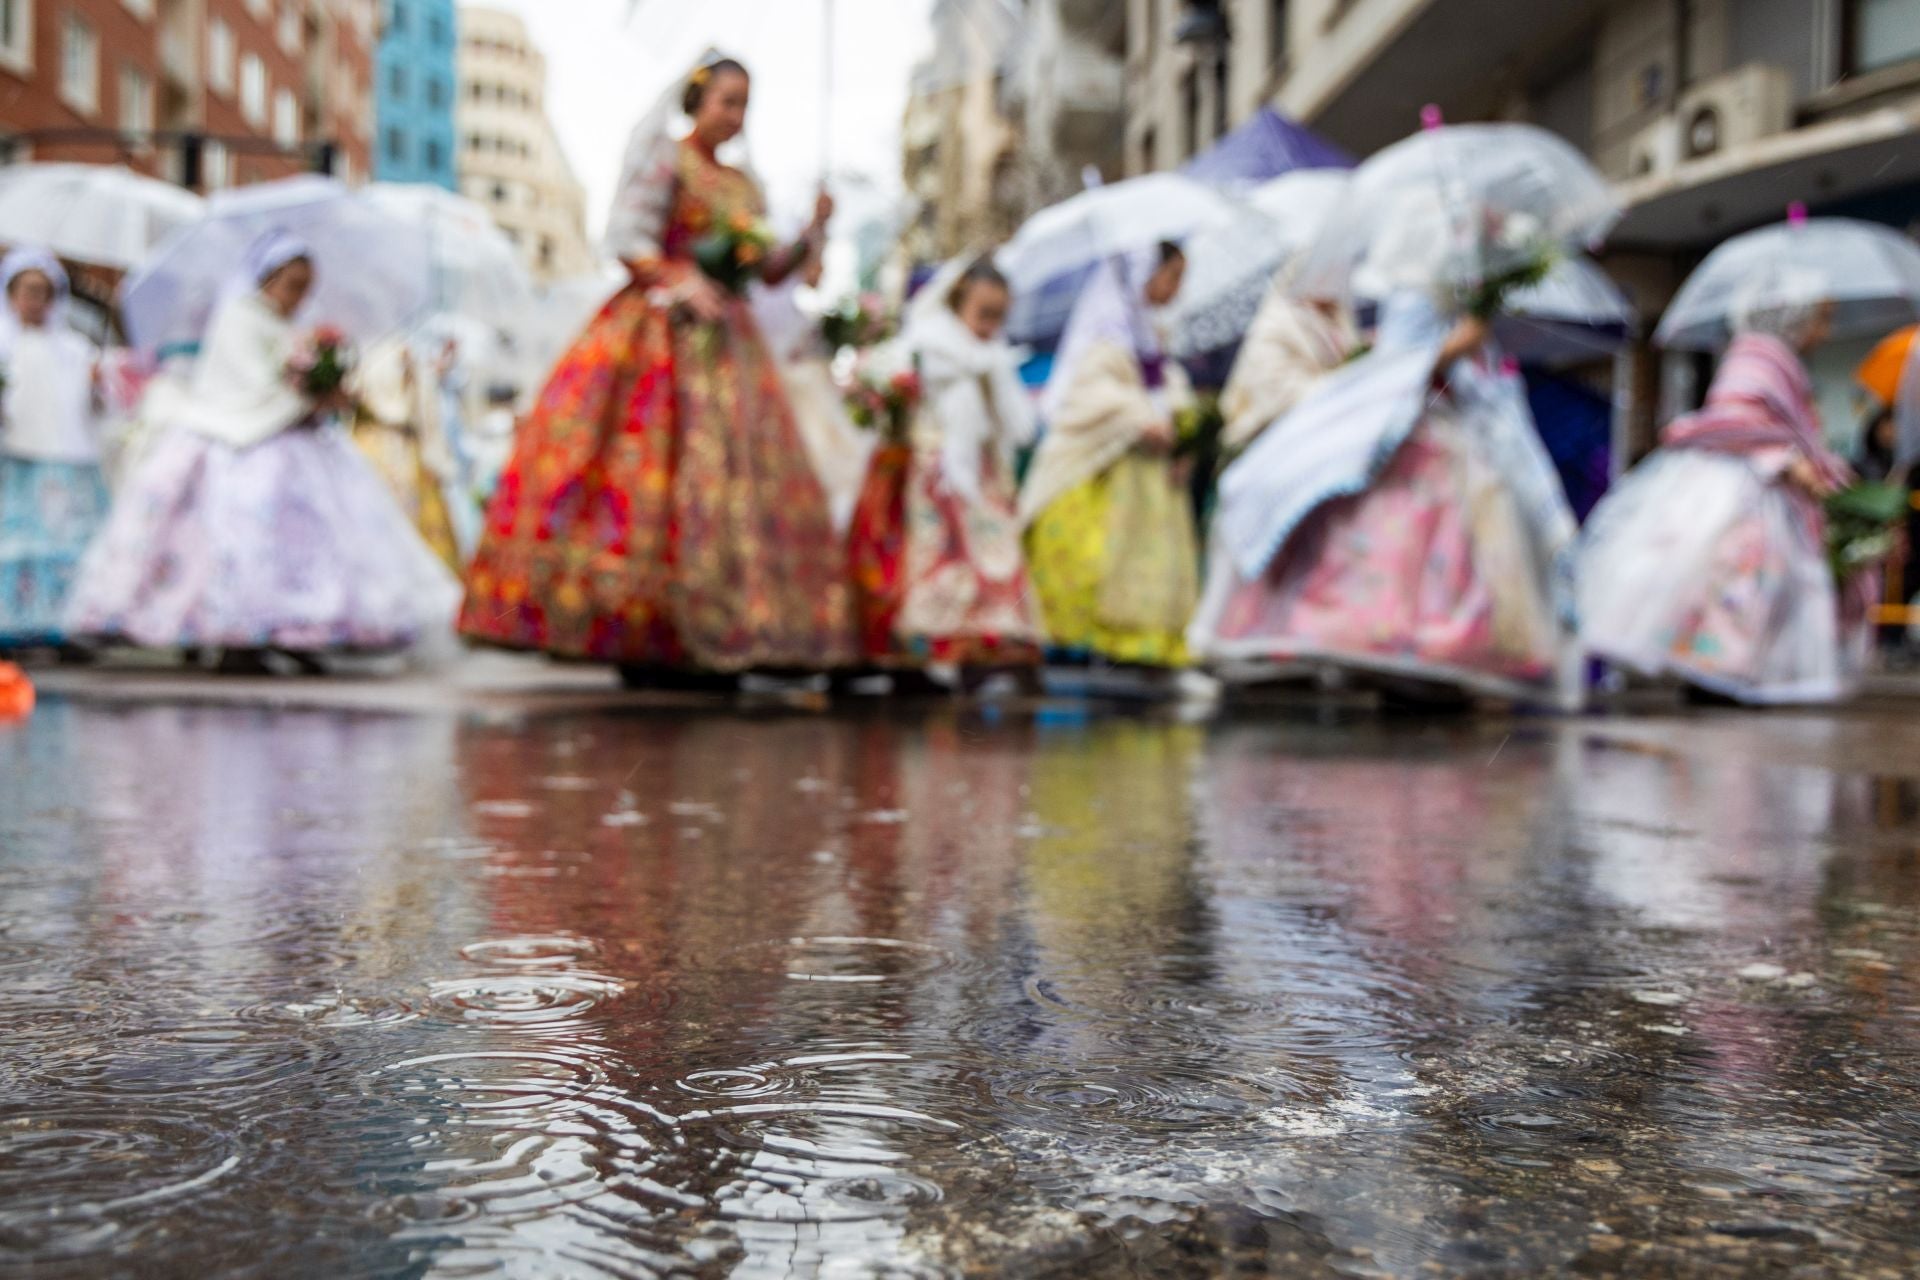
[[477, 272], [1049, 257], [1500, 190], [373, 271], [1230, 269], [1871, 274], [103, 215]]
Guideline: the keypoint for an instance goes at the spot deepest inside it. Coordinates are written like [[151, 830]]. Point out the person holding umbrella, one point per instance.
[[252, 525], [1110, 534], [53, 495], [1709, 563]]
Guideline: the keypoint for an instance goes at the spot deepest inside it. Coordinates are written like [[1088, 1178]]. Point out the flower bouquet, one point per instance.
[[1197, 428], [857, 322], [320, 363], [1517, 254], [734, 254], [1863, 526], [882, 394]]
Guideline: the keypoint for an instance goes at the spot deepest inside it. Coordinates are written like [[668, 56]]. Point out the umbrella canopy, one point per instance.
[[103, 215], [1265, 147], [477, 271], [1576, 313], [1492, 194], [1869, 272], [373, 272], [1050, 257], [1231, 268]]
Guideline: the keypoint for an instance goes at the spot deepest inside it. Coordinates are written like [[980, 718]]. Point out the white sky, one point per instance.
[[603, 72]]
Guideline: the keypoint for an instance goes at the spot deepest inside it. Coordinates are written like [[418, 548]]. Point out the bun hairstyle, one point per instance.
[[980, 271], [697, 84]]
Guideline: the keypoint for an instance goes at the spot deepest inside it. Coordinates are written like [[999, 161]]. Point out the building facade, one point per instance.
[[509, 156], [211, 93], [1014, 106], [1193, 72], [416, 80]]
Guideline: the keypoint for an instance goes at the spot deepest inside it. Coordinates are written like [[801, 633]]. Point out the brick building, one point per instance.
[[223, 91]]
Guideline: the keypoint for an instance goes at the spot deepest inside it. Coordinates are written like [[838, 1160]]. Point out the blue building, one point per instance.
[[415, 93]]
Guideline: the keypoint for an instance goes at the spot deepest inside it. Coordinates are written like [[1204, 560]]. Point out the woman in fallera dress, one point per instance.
[[938, 565], [659, 511], [1110, 537], [53, 495], [251, 524], [1708, 563]]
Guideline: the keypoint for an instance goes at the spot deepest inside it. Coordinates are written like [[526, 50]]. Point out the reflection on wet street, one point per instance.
[[309, 993]]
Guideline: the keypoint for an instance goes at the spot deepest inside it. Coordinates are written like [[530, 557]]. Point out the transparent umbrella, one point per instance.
[[477, 272], [1576, 313], [1870, 273], [102, 215], [1502, 190], [1051, 254], [1231, 268], [373, 271]]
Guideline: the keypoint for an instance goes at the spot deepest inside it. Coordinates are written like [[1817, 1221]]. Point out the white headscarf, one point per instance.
[[240, 394], [1784, 302], [49, 402], [1112, 308], [973, 391], [644, 199]]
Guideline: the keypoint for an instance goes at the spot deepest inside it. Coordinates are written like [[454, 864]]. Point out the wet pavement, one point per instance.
[[531, 991]]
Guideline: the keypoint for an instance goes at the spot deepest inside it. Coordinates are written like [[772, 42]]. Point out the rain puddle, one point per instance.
[[386, 996]]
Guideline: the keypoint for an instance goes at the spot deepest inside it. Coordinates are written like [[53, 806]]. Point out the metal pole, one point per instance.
[[826, 93]]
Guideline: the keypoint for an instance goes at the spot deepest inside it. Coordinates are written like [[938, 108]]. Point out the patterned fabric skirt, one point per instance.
[[1429, 574], [291, 544], [938, 578], [659, 509], [49, 513], [396, 457], [1700, 568], [1114, 564]]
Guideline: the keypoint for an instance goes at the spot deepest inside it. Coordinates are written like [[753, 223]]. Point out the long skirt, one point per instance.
[[1115, 565], [292, 543], [659, 509], [396, 456], [938, 578], [49, 513], [1698, 567], [1427, 575]]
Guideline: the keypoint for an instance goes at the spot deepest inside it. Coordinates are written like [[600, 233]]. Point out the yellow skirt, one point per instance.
[[396, 456], [1115, 565]]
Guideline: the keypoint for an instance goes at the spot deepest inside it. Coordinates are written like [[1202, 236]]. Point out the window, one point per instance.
[[16, 34], [1279, 16], [437, 31], [475, 142], [396, 145], [79, 65], [261, 9], [1190, 99], [1881, 33], [396, 82], [499, 193], [136, 101], [217, 166], [546, 252], [286, 118], [139, 8], [433, 157], [290, 26], [253, 90], [476, 90], [397, 18], [220, 57], [436, 93]]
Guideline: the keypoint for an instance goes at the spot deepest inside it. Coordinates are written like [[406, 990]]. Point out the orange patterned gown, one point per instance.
[[659, 508]]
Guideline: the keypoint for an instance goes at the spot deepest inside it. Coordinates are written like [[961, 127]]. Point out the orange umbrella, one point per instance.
[[1881, 372], [16, 693]]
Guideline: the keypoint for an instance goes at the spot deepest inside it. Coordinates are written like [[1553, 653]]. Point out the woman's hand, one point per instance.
[[1467, 337], [1804, 474], [823, 208], [1158, 437], [703, 298]]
